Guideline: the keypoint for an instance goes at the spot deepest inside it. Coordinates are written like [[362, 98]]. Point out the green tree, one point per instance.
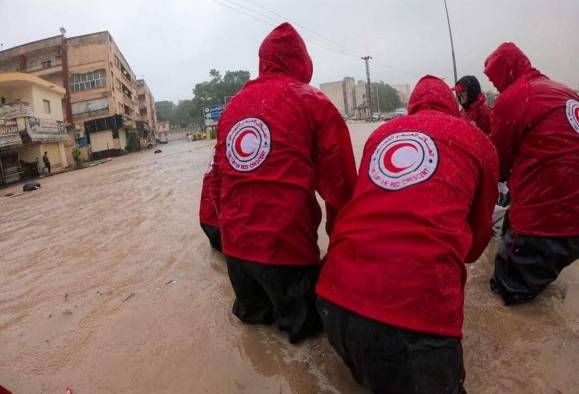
[[216, 91], [189, 113], [184, 114], [388, 97], [165, 110]]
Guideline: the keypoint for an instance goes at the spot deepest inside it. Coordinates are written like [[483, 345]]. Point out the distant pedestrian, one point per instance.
[[46, 162], [279, 141], [473, 102], [536, 133], [392, 287]]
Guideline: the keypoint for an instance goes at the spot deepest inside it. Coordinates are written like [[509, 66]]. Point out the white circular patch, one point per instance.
[[573, 113], [247, 145], [403, 159]]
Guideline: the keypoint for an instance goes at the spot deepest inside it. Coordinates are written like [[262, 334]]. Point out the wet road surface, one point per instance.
[[107, 285]]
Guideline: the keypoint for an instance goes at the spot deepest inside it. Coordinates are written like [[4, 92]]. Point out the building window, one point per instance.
[[46, 64], [91, 80], [46, 106]]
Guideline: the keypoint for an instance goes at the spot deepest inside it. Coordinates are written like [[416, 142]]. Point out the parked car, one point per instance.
[[400, 112], [376, 116], [163, 140], [146, 143], [389, 116]]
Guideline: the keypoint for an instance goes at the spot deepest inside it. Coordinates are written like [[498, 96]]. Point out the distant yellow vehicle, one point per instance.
[[197, 136]]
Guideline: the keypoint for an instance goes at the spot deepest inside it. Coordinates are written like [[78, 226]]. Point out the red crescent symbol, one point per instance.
[[238, 141], [390, 152]]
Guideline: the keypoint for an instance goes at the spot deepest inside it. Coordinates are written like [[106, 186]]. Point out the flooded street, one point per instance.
[[108, 285]]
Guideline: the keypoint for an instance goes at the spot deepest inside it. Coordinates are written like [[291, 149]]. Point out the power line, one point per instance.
[[258, 16], [399, 70], [315, 38], [305, 28]]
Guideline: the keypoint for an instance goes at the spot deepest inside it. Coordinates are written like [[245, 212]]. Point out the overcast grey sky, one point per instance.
[[173, 44]]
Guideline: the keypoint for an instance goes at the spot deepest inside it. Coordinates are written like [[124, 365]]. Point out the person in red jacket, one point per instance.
[[536, 133], [207, 210], [278, 142], [473, 102], [392, 288]]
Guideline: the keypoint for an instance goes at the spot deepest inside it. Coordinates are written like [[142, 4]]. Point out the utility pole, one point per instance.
[[378, 97], [451, 44], [368, 94]]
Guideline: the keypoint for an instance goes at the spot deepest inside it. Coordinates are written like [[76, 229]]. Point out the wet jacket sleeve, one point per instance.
[[508, 128], [336, 175], [215, 173], [485, 198], [483, 119]]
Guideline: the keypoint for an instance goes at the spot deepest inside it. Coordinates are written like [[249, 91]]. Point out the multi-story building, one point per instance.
[[362, 109], [103, 89], [341, 94], [31, 123], [101, 103], [147, 123], [163, 126]]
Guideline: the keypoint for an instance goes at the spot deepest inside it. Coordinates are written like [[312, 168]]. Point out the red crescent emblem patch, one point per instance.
[[389, 155], [247, 144], [403, 159], [239, 142], [572, 112]]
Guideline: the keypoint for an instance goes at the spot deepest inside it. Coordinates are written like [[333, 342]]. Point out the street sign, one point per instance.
[[213, 113]]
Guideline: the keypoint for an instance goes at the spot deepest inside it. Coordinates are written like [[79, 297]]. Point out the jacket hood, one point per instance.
[[284, 52], [432, 93], [505, 65], [471, 86]]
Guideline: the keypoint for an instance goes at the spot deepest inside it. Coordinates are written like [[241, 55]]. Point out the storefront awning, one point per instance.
[[9, 134], [44, 130]]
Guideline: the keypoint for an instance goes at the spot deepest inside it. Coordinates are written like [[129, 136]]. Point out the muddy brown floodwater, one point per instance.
[[107, 285]]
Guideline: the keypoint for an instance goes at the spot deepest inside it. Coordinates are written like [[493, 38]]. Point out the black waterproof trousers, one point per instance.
[[392, 360], [280, 294], [526, 265], [214, 236]]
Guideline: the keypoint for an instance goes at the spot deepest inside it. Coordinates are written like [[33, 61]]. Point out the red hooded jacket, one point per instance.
[[278, 142], [207, 208], [421, 209], [480, 113], [536, 133]]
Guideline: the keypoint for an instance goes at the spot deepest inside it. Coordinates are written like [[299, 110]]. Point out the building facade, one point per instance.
[[342, 95], [103, 89], [362, 109], [101, 101], [31, 123], [147, 123]]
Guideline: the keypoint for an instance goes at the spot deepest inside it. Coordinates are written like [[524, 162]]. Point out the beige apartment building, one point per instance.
[[348, 96], [147, 123], [101, 102], [31, 123], [342, 95]]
